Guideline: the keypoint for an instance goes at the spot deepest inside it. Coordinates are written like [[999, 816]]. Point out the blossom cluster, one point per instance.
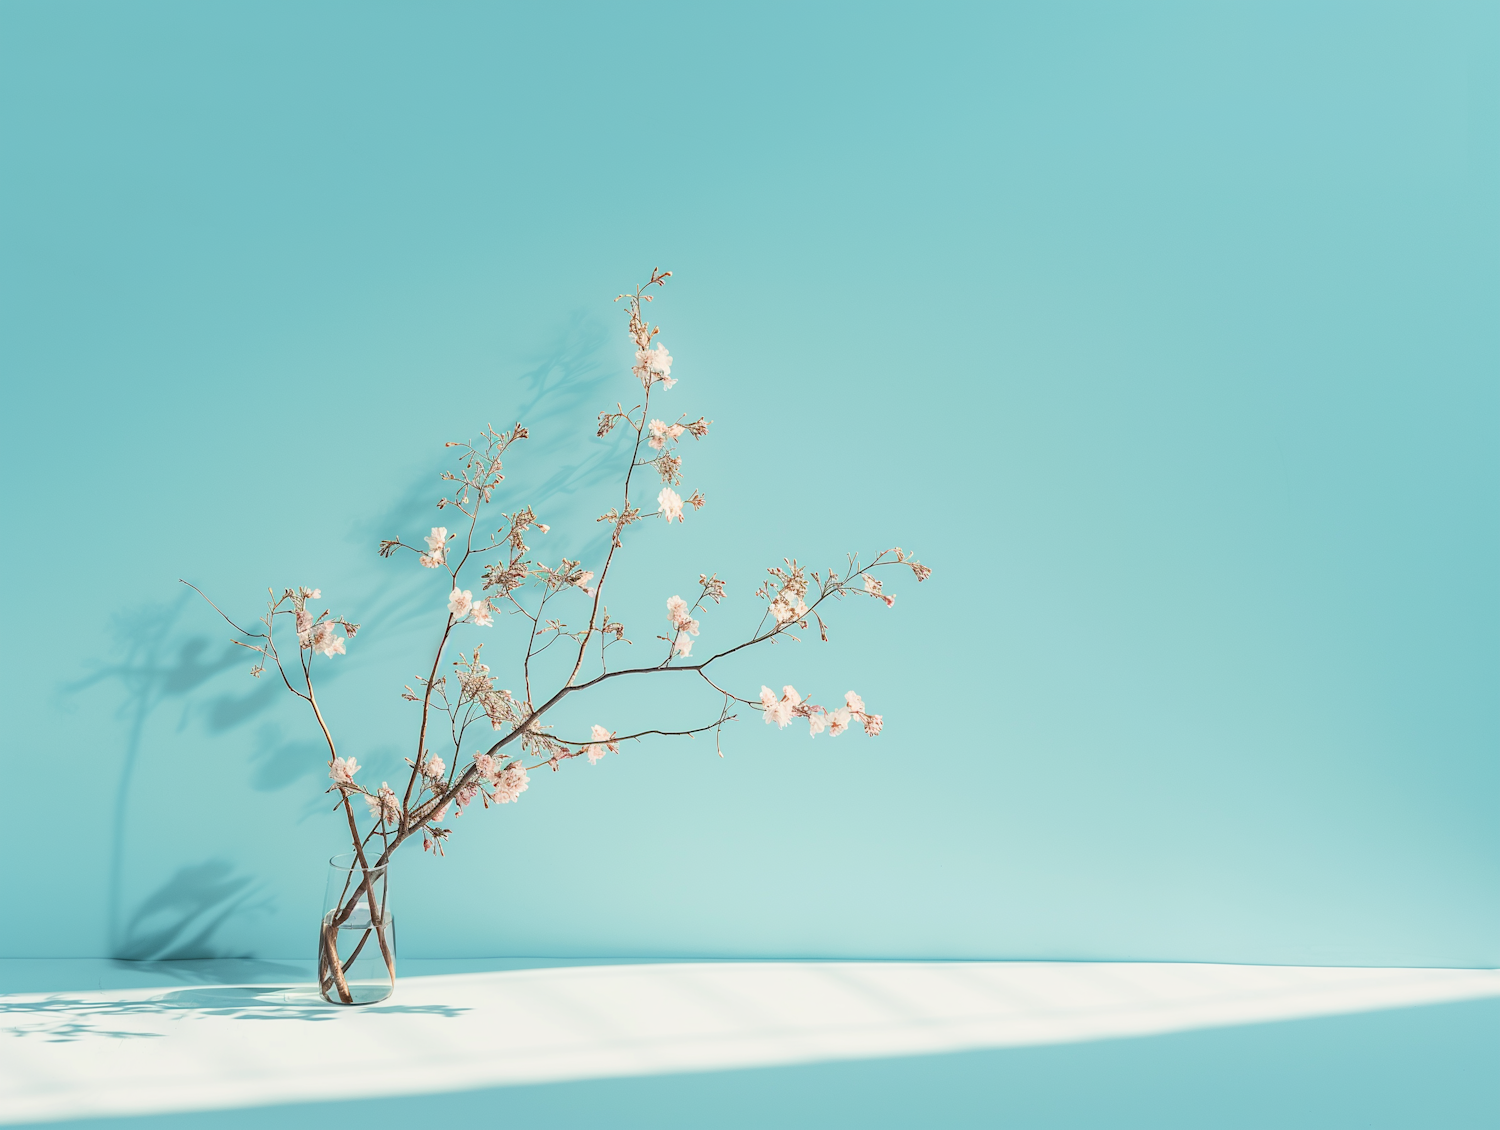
[[476, 685], [317, 633], [787, 589], [653, 364], [496, 781], [792, 705]]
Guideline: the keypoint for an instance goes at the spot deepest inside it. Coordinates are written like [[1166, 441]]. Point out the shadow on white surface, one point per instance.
[[66, 1018], [142, 1050]]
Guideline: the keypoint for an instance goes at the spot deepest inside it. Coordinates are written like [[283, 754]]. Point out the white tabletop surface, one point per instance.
[[118, 1050]]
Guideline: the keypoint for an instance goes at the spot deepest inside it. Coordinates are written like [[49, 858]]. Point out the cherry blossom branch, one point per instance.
[[642, 338], [499, 774]]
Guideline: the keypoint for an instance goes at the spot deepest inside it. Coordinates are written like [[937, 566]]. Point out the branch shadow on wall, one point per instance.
[[161, 667], [561, 395]]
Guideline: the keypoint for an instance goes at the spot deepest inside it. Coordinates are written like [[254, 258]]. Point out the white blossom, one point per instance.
[[779, 710], [654, 365], [669, 503], [437, 548], [384, 805]]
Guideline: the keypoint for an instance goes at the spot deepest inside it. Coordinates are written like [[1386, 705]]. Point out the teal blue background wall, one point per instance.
[[1165, 333]]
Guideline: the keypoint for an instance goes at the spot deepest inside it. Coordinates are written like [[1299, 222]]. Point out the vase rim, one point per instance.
[[348, 861]]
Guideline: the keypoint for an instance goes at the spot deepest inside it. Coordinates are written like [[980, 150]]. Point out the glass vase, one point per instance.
[[357, 937]]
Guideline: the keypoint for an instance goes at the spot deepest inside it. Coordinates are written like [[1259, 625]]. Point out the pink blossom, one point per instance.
[[326, 643], [767, 697], [583, 579], [480, 613], [838, 721], [855, 703], [304, 627], [669, 503], [459, 603], [342, 771], [486, 766], [511, 784], [658, 440], [790, 696], [872, 724], [314, 594], [678, 614], [603, 740], [465, 796], [816, 724], [434, 768]]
